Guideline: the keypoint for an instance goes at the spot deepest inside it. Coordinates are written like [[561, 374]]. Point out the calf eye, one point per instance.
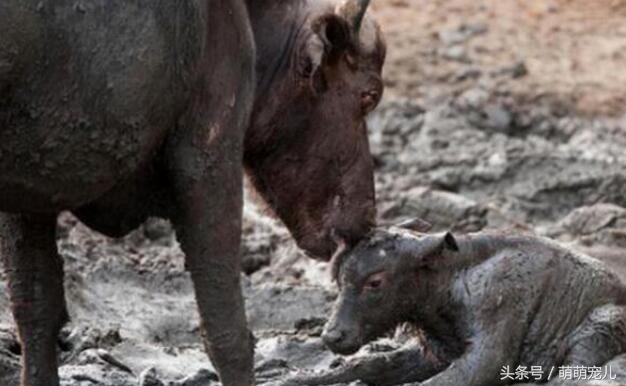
[[375, 282]]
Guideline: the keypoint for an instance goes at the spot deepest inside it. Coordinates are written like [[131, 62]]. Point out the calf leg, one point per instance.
[[409, 364], [35, 273], [600, 338]]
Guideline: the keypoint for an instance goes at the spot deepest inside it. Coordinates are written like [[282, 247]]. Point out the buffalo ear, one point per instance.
[[334, 32], [331, 36], [415, 225]]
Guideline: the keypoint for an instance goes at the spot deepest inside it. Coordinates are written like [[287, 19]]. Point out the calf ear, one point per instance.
[[449, 242], [440, 253]]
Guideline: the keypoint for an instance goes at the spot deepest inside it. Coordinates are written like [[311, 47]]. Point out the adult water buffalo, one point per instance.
[[119, 110]]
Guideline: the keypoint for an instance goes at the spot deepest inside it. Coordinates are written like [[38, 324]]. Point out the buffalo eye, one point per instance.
[[369, 100], [375, 282]]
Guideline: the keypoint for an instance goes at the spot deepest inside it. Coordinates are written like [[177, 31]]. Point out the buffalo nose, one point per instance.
[[332, 337]]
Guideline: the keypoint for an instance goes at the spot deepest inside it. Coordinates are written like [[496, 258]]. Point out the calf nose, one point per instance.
[[332, 337]]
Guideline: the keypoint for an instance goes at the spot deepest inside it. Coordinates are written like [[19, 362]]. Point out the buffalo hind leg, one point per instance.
[[35, 275]]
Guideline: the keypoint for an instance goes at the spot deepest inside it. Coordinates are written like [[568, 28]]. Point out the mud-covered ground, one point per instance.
[[490, 121]]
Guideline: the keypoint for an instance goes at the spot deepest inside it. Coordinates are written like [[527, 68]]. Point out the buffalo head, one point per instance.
[[307, 152], [388, 278]]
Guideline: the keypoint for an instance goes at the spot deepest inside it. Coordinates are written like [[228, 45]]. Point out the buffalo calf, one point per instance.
[[482, 302]]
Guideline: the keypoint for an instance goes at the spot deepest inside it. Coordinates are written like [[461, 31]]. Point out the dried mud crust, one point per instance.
[[572, 50]]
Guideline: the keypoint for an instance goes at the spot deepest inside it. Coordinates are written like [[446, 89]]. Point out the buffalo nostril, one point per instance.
[[333, 336]]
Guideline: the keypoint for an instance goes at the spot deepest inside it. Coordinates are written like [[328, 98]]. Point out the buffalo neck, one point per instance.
[[277, 27], [441, 315]]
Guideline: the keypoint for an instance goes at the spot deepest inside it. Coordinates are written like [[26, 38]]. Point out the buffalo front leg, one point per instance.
[[35, 274], [208, 226], [205, 156]]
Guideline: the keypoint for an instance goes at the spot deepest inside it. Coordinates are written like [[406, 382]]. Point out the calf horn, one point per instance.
[[354, 11]]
